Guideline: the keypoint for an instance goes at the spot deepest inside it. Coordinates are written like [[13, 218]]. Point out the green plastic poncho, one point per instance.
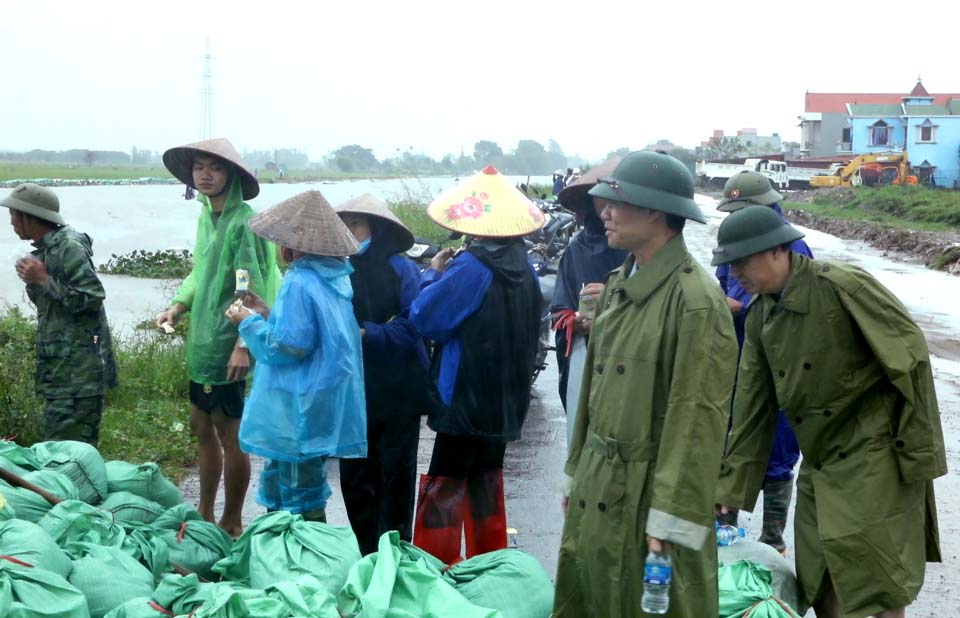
[[224, 245], [745, 592]]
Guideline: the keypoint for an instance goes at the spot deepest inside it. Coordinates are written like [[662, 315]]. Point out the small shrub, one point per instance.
[[169, 264]]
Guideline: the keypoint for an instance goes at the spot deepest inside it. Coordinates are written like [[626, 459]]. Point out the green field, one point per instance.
[[28, 171], [907, 207]]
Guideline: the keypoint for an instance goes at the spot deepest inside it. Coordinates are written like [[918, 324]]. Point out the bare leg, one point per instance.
[[827, 606], [236, 473], [209, 460]]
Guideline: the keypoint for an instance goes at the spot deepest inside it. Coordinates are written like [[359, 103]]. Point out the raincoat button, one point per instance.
[[899, 443], [826, 269], [842, 455], [583, 504], [827, 413], [600, 369], [799, 421], [620, 369], [602, 506], [688, 270], [807, 366], [781, 373], [817, 466]]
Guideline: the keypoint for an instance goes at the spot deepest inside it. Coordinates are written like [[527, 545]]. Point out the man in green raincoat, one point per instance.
[[841, 356], [653, 408], [217, 360], [75, 363]]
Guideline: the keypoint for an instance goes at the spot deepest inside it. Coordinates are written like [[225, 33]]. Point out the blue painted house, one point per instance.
[[929, 132]]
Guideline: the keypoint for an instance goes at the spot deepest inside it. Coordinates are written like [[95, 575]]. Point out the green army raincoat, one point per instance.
[[648, 440], [74, 351], [224, 244], [842, 357]]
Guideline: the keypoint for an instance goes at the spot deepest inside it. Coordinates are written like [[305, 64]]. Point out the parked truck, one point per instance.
[[709, 172]]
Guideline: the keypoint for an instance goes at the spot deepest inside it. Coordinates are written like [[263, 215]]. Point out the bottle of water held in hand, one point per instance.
[[656, 584], [728, 535]]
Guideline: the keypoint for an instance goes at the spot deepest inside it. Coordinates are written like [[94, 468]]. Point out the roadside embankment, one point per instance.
[[910, 223]]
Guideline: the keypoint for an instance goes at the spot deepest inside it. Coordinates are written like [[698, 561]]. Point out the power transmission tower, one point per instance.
[[206, 120]]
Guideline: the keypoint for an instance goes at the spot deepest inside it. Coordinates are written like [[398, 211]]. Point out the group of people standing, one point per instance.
[[685, 398], [695, 397]]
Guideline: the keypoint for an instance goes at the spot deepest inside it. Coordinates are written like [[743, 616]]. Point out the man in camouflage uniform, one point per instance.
[[74, 358]]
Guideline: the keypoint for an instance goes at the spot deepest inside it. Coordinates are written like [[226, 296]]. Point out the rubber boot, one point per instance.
[[439, 519], [776, 504], [485, 522]]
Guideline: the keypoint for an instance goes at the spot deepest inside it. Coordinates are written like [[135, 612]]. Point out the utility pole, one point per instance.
[[206, 119]]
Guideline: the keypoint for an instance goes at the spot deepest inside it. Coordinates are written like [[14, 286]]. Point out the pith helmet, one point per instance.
[[652, 180], [747, 188], [179, 161], [35, 200], [392, 228], [751, 230]]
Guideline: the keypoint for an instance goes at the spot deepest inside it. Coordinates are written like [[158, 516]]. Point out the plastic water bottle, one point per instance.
[[656, 584], [728, 535]]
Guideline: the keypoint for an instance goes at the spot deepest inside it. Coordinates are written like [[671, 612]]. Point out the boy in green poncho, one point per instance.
[[217, 360]]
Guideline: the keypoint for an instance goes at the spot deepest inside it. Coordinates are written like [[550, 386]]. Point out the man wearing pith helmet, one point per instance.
[[75, 363], [745, 189], [653, 407], [834, 349]]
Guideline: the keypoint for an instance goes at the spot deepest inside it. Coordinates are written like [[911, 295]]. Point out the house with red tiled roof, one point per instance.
[[825, 129]]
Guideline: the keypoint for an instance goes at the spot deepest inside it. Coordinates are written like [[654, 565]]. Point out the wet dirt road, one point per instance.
[[533, 466]]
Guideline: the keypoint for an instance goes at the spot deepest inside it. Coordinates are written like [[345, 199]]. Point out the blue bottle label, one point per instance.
[[658, 574]]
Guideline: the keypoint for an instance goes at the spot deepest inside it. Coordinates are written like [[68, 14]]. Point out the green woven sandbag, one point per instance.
[[30, 543], [108, 577], [745, 588], [145, 480], [127, 507], [399, 581], [73, 521], [280, 546], [193, 543], [35, 593], [10, 466], [508, 580], [141, 607], [29, 505], [20, 456], [6, 511], [145, 545], [81, 462]]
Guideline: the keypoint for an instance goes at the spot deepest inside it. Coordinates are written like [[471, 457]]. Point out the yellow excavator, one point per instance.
[[869, 169]]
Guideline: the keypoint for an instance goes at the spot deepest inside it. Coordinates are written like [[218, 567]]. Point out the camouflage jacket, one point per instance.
[[74, 351]]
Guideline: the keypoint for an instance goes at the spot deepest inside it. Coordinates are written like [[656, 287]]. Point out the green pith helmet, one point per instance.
[[653, 180], [747, 188], [35, 200], [751, 230]]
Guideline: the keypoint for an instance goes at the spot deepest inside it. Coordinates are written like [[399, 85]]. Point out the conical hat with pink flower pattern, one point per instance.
[[487, 205]]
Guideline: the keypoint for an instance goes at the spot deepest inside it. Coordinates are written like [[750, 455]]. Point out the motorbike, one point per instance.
[[557, 230]]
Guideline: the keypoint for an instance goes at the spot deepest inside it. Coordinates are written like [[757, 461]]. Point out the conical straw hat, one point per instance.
[[486, 204], [399, 234], [179, 161], [306, 222], [574, 195]]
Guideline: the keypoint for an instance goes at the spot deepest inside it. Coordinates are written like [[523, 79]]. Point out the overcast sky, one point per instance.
[[438, 76]]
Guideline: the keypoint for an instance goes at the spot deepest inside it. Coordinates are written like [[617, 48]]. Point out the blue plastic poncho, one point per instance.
[[307, 399]]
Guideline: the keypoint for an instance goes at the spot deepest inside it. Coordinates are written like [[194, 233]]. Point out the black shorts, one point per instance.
[[228, 398]]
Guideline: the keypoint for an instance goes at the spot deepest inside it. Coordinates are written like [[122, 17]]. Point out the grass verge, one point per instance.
[[906, 207], [145, 417]]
